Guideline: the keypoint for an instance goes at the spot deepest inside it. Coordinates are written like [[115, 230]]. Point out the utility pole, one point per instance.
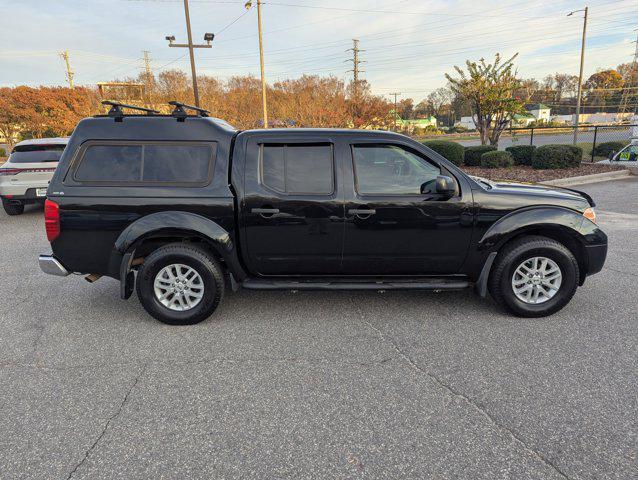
[[261, 65], [580, 75], [69, 72], [264, 103], [396, 113], [208, 37], [630, 81], [147, 64], [355, 66], [147, 76]]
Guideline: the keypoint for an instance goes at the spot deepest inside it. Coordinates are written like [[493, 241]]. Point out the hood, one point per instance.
[[536, 190]]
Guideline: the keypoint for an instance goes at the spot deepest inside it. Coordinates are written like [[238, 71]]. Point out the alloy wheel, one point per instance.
[[178, 287], [536, 280]]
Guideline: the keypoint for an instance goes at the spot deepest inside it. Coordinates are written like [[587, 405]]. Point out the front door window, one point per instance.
[[391, 170]]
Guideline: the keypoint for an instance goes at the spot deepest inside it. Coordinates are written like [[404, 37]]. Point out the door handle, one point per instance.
[[362, 211], [265, 211]]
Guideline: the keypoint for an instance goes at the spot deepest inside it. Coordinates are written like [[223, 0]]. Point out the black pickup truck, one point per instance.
[[184, 206]]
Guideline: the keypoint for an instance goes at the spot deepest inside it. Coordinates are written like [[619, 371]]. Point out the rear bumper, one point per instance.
[[7, 187], [52, 266], [22, 195]]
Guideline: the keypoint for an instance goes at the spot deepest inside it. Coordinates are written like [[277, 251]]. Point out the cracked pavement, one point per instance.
[[319, 384]]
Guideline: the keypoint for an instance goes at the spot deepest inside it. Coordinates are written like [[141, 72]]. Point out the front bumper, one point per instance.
[[51, 265], [596, 255]]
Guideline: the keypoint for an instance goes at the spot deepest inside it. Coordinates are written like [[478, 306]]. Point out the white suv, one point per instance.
[[25, 176]]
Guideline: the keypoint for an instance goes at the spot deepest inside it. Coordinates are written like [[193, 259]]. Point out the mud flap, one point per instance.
[[481, 283], [127, 277]]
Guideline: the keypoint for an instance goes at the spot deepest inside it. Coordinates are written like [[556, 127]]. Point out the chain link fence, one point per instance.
[[588, 137]]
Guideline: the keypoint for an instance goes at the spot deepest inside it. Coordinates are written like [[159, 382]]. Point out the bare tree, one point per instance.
[[439, 99]]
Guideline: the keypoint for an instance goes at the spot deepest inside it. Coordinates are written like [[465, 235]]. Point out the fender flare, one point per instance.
[[543, 217], [173, 221]]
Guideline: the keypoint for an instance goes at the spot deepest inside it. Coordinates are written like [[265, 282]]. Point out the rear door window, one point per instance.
[[298, 169], [146, 163], [36, 153]]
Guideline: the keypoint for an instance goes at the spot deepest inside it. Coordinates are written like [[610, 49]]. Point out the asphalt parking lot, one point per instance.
[[319, 384]]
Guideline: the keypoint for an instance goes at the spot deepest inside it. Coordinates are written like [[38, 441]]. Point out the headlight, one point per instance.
[[590, 214]]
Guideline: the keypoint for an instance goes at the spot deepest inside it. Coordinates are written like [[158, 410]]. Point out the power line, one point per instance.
[[232, 23], [171, 62]]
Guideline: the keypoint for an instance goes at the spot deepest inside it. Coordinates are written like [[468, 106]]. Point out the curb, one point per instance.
[[594, 178]]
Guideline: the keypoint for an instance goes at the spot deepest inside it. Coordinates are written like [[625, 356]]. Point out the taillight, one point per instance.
[[16, 171], [9, 171], [51, 219]]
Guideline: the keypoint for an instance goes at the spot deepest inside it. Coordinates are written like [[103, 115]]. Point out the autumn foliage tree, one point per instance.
[[307, 101], [27, 112], [367, 110], [489, 88], [603, 88]]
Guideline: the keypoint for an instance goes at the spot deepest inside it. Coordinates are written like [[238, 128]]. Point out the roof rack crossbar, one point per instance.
[[116, 108], [180, 109]]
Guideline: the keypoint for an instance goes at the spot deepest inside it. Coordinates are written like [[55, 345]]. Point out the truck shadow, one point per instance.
[[308, 306]]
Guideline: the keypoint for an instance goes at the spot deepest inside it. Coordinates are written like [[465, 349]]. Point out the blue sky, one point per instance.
[[409, 44]]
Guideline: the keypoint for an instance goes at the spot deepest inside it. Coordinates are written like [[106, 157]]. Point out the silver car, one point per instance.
[[25, 176]]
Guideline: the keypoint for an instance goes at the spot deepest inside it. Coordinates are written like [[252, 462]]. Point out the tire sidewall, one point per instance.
[[564, 294], [12, 208], [146, 291]]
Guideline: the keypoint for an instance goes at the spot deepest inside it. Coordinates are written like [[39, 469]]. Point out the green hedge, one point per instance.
[[557, 156], [473, 154], [497, 159], [605, 148], [522, 154], [453, 151]]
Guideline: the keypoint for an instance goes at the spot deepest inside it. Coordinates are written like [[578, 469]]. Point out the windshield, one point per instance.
[[36, 153], [628, 154]]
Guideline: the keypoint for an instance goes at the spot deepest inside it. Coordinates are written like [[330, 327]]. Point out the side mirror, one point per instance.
[[442, 185], [445, 186]]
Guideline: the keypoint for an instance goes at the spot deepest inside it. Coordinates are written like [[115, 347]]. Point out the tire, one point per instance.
[[158, 265], [510, 259], [13, 208]]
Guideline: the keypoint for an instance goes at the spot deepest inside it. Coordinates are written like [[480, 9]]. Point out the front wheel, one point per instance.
[[180, 284], [534, 277], [13, 208]]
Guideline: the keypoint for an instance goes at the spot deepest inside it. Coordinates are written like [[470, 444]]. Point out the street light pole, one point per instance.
[[191, 52], [208, 37], [580, 75]]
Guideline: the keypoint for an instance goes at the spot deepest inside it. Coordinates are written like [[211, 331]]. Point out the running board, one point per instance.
[[433, 284]]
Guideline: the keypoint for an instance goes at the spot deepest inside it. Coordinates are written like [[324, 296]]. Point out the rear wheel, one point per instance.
[[13, 208], [180, 284], [534, 277]]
